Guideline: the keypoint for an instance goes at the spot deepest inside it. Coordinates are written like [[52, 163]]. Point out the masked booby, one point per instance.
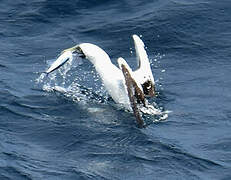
[[125, 86]]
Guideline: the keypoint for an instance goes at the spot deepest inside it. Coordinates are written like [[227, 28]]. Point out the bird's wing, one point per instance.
[[143, 74], [135, 93]]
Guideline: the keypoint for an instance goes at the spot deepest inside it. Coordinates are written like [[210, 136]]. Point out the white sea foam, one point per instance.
[[71, 80]]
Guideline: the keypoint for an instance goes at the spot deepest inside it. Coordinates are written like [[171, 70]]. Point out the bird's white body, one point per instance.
[[112, 76]]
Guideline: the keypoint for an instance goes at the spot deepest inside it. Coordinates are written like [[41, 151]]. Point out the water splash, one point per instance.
[[71, 81], [79, 84]]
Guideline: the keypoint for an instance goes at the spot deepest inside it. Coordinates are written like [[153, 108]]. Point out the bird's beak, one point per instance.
[[66, 55], [60, 61], [75, 50], [72, 49]]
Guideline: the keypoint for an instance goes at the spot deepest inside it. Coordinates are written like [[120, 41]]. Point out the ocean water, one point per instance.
[[83, 134]]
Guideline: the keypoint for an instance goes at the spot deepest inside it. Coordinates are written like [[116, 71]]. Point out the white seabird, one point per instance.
[[113, 77]]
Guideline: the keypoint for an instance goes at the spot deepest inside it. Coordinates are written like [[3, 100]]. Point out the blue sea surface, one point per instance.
[[84, 135]]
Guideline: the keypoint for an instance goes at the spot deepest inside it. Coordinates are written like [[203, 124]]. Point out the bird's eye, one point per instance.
[[79, 50]]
